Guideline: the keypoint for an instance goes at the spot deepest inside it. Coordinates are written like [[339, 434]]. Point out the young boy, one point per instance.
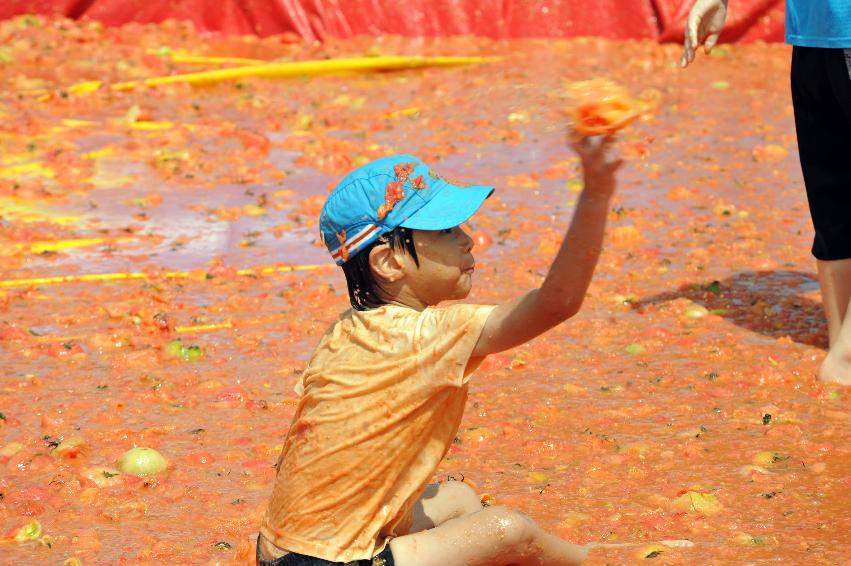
[[384, 393]]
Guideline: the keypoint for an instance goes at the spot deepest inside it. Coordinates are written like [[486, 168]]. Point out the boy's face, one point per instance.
[[446, 265]]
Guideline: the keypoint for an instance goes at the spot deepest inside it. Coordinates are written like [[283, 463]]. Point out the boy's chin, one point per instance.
[[464, 291]]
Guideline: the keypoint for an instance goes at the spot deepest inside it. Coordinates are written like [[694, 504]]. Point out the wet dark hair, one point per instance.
[[363, 289]]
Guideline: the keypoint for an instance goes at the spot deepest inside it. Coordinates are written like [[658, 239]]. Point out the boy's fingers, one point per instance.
[[573, 141], [607, 143], [577, 142]]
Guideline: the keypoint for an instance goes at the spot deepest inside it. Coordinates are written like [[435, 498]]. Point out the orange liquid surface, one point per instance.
[[681, 403]]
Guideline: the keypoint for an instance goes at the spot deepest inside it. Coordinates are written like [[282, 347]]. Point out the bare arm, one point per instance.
[[563, 290]]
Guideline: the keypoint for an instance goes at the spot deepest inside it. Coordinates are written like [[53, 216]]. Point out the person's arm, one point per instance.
[[704, 25], [563, 290]]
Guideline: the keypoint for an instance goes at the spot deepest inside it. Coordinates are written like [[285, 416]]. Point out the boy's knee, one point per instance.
[[513, 529], [465, 497]]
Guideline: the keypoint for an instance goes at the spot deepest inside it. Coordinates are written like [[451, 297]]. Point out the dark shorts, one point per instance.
[[821, 97], [384, 558]]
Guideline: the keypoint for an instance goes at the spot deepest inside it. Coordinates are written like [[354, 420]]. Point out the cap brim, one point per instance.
[[450, 207]]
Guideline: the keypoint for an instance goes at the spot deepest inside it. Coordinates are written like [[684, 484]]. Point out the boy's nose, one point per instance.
[[467, 241]]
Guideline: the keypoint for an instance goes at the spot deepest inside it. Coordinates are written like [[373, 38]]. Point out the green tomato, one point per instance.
[[30, 531], [634, 349], [176, 349], [696, 311], [142, 462], [191, 353], [173, 349]]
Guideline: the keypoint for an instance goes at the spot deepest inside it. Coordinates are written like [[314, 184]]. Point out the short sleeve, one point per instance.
[[445, 338]]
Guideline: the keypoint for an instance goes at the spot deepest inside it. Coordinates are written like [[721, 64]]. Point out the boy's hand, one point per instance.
[[704, 24], [563, 289], [599, 163]]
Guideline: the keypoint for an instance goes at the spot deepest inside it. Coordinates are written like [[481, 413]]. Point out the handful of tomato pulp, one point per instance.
[[600, 107]]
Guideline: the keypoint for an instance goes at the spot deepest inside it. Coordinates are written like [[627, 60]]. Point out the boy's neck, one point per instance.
[[403, 296]]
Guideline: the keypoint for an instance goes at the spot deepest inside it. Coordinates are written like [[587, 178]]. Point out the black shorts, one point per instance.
[[384, 558], [821, 97]]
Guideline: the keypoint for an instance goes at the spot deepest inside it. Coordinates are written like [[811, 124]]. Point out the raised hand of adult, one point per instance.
[[704, 24]]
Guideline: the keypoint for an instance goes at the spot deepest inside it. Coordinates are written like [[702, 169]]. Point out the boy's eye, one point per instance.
[[447, 230]]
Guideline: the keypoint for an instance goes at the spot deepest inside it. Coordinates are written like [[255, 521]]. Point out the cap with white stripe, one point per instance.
[[393, 191]]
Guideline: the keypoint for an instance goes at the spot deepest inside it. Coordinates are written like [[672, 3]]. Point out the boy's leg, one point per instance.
[[441, 502], [492, 536]]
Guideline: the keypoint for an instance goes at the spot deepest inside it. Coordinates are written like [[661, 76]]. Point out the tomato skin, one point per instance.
[[482, 240], [601, 108], [66, 351], [200, 458], [13, 334], [232, 394], [29, 508]]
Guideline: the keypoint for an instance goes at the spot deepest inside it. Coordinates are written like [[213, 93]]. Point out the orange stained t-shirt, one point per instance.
[[382, 400]]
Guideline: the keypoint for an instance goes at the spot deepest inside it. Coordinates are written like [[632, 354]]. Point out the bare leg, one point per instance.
[[493, 536], [835, 280], [441, 502]]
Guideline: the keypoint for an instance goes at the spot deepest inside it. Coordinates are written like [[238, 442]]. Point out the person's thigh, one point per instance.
[[443, 501]]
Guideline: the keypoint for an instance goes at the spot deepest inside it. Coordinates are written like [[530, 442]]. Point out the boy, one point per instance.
[[384, 393]]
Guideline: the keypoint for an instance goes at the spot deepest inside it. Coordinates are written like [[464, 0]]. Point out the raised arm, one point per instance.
[[704, 24], [563, 290]]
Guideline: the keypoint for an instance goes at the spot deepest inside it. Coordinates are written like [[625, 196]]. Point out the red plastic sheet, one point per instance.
[[748, 20]]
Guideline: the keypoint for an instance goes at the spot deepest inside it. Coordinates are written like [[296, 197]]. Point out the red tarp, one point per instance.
[[748, 20]]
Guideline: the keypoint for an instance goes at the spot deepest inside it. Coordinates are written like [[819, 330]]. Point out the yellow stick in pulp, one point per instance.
[[138, 275]]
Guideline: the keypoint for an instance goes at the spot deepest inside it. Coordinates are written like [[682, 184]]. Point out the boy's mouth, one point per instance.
[[470, 269]]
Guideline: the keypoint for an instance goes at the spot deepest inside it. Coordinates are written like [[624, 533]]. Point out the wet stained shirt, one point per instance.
[[381, 402]]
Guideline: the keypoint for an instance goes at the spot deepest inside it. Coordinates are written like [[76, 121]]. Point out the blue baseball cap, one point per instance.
[[398, 190]]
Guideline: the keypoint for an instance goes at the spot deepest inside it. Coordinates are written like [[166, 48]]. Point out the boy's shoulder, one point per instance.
[[394, 320], [397, 312]]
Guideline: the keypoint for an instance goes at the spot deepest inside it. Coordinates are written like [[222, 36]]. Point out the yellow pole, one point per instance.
[[283, 70], [120, 276]]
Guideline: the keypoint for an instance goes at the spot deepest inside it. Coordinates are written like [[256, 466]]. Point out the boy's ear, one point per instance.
[[385, 264]]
